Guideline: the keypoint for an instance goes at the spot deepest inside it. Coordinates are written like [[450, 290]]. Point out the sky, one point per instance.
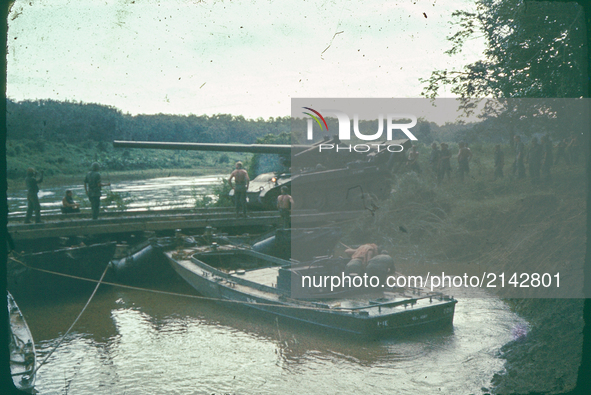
[[236, 57]]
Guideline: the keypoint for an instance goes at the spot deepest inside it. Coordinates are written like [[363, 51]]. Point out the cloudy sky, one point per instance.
[[238, 57]]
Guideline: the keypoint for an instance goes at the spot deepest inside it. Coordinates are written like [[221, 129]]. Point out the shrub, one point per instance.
[[224, 158], [39, 145], [102, 146]]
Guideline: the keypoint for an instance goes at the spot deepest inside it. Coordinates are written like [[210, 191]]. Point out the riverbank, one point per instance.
[[502, 226], [67, 163]]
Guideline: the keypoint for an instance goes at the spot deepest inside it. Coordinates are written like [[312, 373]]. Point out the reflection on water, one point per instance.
[[155, 194], [138, 342]]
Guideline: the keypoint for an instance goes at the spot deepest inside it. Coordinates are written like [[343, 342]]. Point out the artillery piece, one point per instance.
[[338, 179]]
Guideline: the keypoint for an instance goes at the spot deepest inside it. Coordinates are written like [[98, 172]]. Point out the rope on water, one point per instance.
[[300, 307], [76, 320]]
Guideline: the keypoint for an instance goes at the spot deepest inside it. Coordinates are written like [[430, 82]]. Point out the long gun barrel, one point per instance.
[[253, 148]]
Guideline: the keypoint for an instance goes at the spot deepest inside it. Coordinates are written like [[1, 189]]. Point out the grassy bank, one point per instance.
[[65, 163], [506, 225]]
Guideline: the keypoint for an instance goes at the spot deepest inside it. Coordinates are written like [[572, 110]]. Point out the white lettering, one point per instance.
[[371, 136], [344, 124], [402, 126], [395, 145], [344, 147]]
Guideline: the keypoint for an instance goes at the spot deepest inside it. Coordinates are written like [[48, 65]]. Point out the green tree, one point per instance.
[[533, 49]]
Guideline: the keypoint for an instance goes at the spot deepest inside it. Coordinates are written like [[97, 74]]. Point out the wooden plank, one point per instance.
[[170, 222]]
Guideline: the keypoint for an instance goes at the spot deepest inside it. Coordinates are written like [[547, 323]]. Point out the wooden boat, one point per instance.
[[264, 283], [22, 349]]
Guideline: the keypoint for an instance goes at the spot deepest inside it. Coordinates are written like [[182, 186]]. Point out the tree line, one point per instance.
[[73, 122]]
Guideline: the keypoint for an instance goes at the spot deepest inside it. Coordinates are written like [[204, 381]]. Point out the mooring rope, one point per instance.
[[75, 321], [318, 308]]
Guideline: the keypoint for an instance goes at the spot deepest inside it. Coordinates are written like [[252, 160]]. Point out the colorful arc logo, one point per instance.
[[316, 118]]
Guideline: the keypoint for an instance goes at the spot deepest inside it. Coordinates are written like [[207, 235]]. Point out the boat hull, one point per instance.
[[435, 314], [22, 349]]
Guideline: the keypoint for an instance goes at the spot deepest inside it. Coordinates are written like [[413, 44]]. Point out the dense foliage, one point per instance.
[[56, 121], [533, 49]]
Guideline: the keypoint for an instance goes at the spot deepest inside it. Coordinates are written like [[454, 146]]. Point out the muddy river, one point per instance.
[[137, 342]]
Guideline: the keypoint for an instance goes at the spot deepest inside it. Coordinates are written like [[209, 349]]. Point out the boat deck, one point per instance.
[[377, 303], [265, 276]]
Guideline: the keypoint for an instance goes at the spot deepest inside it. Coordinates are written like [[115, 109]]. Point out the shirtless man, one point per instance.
[[359, 258], [240, 176], [284, 205]]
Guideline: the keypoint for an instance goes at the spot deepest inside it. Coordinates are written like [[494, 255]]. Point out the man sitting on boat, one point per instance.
[[359, 258], [365, 259], [68, 204]]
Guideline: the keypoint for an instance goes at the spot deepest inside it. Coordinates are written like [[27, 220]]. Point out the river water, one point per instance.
[[134, 342], [154, 194], [137, 342]]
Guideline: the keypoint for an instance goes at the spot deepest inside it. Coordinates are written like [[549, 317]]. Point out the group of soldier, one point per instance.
[[538, 156], [240, 186], [440, 160], [92, 186]]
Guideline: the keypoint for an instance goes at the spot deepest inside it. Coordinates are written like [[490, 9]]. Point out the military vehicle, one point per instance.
[[343, 177]]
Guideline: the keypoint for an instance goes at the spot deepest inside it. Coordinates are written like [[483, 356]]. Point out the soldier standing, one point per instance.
[[413, 160], [499, 157], [518, 166], [242, 181], [434, 158], [547, 157], [284, 204], [32, 198], [92, 186], [464, 156], [534, 160], [444, 163]]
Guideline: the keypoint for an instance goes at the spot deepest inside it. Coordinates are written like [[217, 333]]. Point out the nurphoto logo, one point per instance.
[[393, 122]]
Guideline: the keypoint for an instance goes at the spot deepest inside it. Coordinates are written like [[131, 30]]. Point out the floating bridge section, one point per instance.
[[62, 225]]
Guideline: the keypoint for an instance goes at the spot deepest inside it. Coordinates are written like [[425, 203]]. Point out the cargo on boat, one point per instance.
[[244, 277]]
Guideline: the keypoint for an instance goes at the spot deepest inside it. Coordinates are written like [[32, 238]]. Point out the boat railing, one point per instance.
[[411, 301]]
